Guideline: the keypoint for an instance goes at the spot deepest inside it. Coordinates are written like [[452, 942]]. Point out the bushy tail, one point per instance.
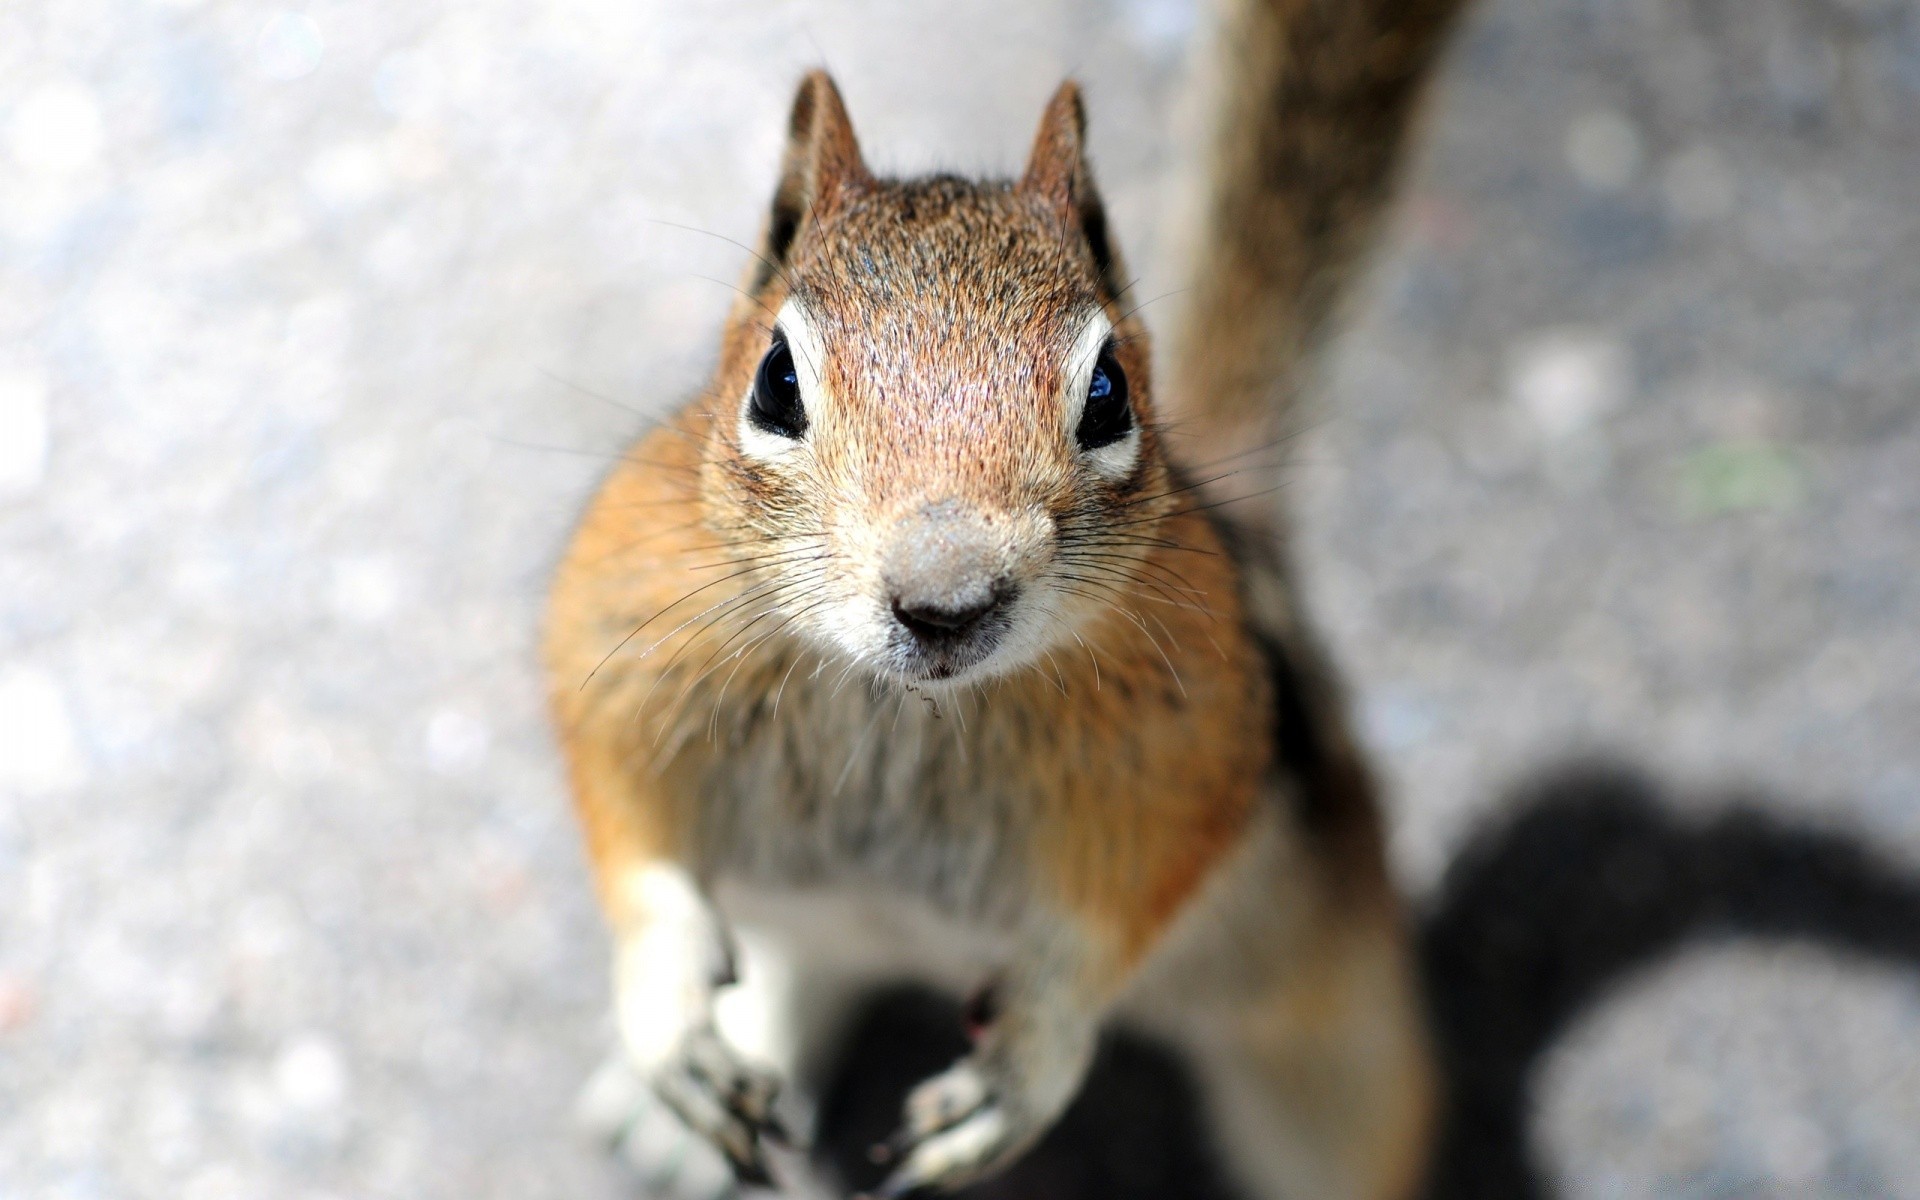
[[1316, 100]]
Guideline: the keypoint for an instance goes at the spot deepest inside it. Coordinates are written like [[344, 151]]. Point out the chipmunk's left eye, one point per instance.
[[1108, 416]]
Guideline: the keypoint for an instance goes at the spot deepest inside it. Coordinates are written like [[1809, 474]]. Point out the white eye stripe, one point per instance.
[[1081, 360], [809, 356], [1114, 461]]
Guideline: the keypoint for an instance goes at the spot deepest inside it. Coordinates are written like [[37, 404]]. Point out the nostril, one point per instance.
[[936, 621]]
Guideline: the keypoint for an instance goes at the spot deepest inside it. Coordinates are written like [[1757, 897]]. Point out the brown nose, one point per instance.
[[943, 571]]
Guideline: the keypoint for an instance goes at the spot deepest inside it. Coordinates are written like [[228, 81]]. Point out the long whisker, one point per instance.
[[764, 261], [723, 609], [854, 753], [657, 615], [742, 655], [593, 395], [771, 592], [1091, 657]]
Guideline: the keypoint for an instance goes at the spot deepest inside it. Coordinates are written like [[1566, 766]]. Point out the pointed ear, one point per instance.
[[1059, 150], [821, 165], [1057, 174]]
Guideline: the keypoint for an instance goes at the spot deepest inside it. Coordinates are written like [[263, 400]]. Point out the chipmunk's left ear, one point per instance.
[[1057, 173]]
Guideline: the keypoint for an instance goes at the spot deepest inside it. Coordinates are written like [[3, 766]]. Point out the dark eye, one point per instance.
[[776, 406], [1108, 417]]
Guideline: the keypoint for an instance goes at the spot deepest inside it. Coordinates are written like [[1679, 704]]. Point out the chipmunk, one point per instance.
[[907, 650]]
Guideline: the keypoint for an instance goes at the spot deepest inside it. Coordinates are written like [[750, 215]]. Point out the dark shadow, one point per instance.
[[1593, 880], [1132, 1134]]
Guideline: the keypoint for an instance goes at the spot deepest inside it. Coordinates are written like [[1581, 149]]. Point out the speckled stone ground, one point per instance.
[[318, 322]]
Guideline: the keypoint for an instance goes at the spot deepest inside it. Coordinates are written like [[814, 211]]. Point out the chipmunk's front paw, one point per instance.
[[672, 1162], [694, 1125], [723, 1099], [960, 1125]]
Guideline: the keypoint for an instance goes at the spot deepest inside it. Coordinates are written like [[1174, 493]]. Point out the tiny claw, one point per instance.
[[901, 1184], [894, 1148], [981, 1010], [775, 1130], [752, 1173]]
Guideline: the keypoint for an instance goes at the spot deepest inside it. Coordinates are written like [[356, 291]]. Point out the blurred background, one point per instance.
[[318, 323]]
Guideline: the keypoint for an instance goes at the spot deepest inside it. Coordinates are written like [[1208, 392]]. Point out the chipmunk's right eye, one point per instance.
[[776, 406]]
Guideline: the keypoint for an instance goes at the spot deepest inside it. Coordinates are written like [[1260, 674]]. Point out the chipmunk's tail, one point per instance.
[[1315, 102]]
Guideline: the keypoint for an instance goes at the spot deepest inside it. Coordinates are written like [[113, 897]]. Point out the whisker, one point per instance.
[[1092, 658], [588, 392], [657, 615], [770, 592], [854, 752], [784, 277]]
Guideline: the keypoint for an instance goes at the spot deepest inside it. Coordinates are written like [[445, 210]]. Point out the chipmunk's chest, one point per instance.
[[877, 789]]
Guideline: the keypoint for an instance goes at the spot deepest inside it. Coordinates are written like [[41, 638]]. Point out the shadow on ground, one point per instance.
[[1540, 919]]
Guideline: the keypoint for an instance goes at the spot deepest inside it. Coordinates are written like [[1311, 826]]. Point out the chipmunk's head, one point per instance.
[[931, 435], [930, 431]]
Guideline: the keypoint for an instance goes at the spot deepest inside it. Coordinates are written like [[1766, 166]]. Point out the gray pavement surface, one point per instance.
[[318, 322]]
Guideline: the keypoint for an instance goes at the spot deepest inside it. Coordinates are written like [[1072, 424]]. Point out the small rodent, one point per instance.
[[906, 650]]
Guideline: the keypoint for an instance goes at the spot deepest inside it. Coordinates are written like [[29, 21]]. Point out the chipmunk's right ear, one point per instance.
[[822, 164], [1057, 173]]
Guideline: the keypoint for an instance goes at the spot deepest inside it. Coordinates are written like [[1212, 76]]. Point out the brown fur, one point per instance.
[[729, 701]]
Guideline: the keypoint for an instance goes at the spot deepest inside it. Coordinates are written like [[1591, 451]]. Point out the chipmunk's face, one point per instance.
[[933, 420]]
